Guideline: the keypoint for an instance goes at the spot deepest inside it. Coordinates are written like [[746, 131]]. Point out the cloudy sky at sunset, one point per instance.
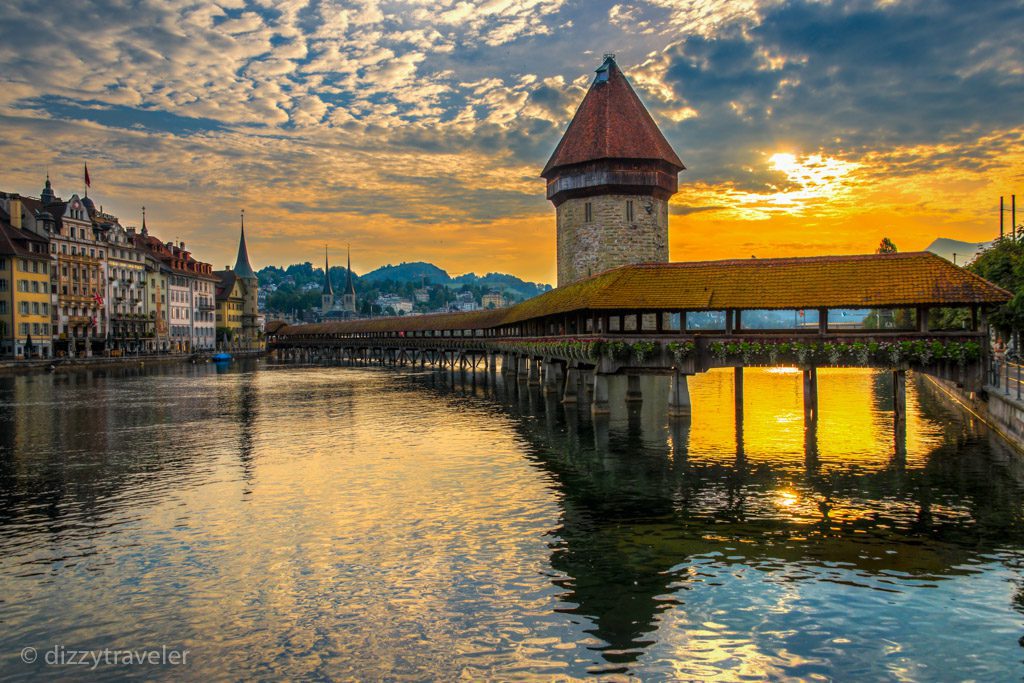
[[416, 130]]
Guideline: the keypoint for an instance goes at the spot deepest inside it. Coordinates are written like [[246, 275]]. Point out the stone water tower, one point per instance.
[[610, 179]]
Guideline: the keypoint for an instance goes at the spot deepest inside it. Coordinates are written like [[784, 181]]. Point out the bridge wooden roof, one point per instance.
[[866, 281]]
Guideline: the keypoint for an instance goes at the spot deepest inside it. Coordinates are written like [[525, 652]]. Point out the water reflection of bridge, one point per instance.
[[642, 510]]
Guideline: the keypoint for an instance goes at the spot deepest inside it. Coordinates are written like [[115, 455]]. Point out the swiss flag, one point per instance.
[[87, 182]]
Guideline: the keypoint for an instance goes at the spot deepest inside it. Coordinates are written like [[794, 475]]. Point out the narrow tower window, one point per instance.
[[629, 211], [588, 212]]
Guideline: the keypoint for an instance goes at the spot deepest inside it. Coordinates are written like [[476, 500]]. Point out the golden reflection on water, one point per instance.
[[855, 418]]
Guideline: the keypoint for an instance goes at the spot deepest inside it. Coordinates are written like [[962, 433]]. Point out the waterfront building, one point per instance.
[[25, 300], [130, 325], [189, 296], [230, 298], [157, 275], [610, 179], [78, 250]]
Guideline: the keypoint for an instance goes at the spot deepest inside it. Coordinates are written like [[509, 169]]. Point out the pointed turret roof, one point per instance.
[[611, 123], [47, 196], [242, 267], [350, 288], [328, 289]]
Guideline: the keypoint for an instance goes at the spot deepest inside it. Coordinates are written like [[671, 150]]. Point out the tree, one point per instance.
[[886, 246], [1003, 264]]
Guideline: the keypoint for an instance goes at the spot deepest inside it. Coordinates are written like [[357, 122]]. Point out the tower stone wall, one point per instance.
[[609, 239]]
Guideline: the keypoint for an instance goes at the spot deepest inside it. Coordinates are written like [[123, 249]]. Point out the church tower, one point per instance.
[[327, 296], [610, 179], [349, 297], [250, 286]]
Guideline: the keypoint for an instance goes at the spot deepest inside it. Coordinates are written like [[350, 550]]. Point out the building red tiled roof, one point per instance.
[[611, 123]]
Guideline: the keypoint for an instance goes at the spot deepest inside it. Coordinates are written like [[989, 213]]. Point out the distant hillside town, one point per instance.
[[75, 282], [302, 293]]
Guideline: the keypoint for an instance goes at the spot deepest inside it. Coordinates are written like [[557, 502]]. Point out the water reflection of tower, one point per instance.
[[248, 403]]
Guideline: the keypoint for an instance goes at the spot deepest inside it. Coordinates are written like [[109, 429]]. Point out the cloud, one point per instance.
[[413, 119]]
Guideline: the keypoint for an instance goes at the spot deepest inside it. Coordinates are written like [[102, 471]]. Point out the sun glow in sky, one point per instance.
[[417, 131]]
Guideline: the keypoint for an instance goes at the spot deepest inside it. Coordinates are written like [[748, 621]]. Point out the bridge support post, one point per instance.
[[492, 362], [599, 404], [522, 366], [552, 375], [572, 381], [533, 370], [678, 395], [633, 392], [738, 391], [810, 395]]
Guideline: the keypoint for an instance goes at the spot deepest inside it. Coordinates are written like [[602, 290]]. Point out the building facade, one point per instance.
[[610, 179], [25, 299], [131, 327]]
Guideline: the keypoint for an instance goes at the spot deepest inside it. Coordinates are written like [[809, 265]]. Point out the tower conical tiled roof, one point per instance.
[[611, 123], [328, 289], [349, 287], [242, 267]]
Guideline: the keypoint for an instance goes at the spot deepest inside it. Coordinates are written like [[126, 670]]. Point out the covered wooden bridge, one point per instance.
[[897, 311]]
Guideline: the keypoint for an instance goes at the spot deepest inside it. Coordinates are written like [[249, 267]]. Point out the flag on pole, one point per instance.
[[87, 182]]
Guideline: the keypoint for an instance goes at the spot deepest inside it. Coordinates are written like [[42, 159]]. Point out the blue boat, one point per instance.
[[221, 357]]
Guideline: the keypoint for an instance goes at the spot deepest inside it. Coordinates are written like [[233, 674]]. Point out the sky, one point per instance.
[[417, 130]]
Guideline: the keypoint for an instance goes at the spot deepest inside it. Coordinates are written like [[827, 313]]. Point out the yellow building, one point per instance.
[[230, 296], [25, 308]]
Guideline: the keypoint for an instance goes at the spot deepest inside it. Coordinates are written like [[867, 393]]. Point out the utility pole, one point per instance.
[[1013, 216]]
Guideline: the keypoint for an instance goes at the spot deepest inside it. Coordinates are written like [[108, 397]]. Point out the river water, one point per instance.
[[289, 521]]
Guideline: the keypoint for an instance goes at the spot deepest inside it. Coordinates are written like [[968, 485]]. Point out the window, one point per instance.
[[3, 264], [35, 308], [64, 249], [46, 309], [629, 211], [588, 212], [786, 319], [3, 307], [45, 269], [23, 328], [81, 233], [23, 308]]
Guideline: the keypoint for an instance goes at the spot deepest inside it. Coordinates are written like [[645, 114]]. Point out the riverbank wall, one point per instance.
[[74, 364], [1002, 412]]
